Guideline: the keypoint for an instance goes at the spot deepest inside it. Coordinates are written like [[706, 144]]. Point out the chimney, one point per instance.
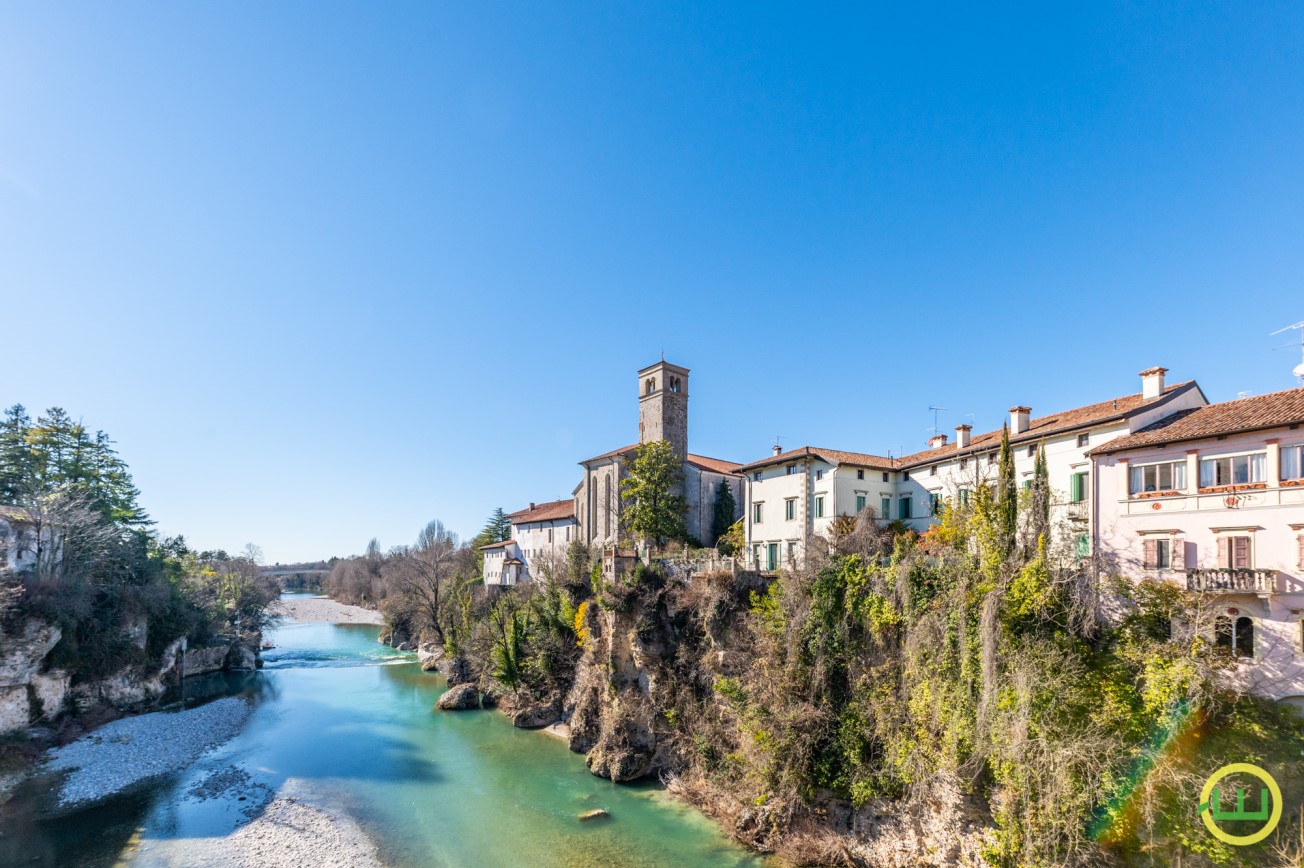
[[1152, 382], [962, 436], [937, 441], [776, 449], [1019, 417], [531, 504]]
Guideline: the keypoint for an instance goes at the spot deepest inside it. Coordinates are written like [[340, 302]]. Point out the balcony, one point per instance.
[[1225, 580]]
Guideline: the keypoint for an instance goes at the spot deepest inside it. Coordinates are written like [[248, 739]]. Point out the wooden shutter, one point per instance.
[[1179, 553], [1223, 559], [1300, 540], [1151, 554], [1241, 552]]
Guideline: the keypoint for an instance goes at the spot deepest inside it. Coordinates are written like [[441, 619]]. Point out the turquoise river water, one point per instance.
[[355, 722]]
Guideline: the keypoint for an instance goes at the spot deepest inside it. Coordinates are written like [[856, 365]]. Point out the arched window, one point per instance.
[[606, 511], [674, 384], [651, 385], [1237, 637]]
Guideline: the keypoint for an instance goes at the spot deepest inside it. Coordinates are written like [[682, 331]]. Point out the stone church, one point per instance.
[[662, 415]]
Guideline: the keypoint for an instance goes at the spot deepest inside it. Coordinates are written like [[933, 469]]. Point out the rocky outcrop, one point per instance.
[[428, 655], [458, 671], [536, 716], [50, 692], [230, 654], [23, 649], [200, 661], [460, 698]]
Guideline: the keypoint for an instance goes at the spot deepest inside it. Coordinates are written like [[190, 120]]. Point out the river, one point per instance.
[[353, 723]]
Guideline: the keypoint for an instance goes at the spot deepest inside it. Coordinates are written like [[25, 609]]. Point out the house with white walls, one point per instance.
[[18, 530], [795, 495], [540, 534], [954, 470], [1212, 498], [503, 564]]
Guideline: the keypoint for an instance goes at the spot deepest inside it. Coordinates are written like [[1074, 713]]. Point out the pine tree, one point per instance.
[[724, 512], [497, 529], [1038, 503], [1007, 496]]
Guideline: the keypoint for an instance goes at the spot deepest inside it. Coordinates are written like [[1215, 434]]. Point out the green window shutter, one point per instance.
[[860, 502]]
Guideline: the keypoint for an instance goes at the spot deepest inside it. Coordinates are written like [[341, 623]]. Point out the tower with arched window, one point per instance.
[[663, 406]]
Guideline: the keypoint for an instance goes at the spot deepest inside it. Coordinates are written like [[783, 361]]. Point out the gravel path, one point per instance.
[[324, 609], [125, 752]]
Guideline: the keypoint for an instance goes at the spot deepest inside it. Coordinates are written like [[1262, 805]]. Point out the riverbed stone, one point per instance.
[[460, 698]]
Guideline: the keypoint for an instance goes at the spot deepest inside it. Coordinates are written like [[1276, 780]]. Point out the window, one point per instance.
[[1082, 545], [932, 471], [885, 479], [905, 476], [756, 476], [1237, 637], [886, 512], [756, 555], [819, 506], [1233, 470], [792, 553], [792, 469], [1084, 439], [819, 474], [549, 534], [1032, 451], [860, 474], [860, 502], [1168, 476], [1078, 487], [674, 384], [650, 386], [757, 512], [1027, 485], [934, 503], [1235, 552], [964, 462], [991, 458], [964, 496], [771, 556], [790, 509], [903, 508], [1158, 554], [1292, 463]]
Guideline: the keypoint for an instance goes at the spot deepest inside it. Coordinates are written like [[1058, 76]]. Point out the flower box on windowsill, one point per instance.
[[1286, 483], [1146, 494], [1224, 489]]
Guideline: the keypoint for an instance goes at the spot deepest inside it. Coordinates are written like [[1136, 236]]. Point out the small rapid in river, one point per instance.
[[347, 724]]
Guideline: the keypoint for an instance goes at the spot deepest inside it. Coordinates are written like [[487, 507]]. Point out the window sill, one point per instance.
[[1223, 489], [1147, 494], [1292, 483]]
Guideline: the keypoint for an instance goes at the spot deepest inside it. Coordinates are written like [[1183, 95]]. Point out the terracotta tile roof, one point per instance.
[[1045, 426], [498, 545], [832, 456], [1229, 417], [551, 511], [701, 462]]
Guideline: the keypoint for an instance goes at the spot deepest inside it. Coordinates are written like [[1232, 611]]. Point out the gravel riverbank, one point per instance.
[[306, 610], [125, 752]]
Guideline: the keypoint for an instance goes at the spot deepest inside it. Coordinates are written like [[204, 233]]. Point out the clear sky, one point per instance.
[[327, 271]]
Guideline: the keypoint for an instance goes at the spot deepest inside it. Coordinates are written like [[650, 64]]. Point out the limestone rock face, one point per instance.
[[458, 671], [15, 710], [536, 716], [198, 661], [51, 689], [460, 698], [429, 654], [24, 649], [242, 657]]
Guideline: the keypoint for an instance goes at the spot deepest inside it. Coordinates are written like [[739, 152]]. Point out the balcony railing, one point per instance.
[[1225, 580]]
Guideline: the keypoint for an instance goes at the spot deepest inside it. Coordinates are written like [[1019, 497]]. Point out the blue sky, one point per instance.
[[328, 271]]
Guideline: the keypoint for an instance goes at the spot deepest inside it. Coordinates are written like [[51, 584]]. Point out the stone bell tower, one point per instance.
[[663, 406]]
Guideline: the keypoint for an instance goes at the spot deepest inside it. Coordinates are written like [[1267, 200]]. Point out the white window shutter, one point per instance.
[[1179, 553], [1151, 556], [1224, 559]]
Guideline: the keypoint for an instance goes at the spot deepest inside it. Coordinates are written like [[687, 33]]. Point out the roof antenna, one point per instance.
[[1299, 369], [935, 410]]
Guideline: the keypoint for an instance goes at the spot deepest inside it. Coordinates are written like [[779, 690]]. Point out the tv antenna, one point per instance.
[[935, 410], [1299, 369]]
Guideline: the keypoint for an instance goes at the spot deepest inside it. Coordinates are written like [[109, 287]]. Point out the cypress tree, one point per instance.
[[1007, 496], [722, 515]]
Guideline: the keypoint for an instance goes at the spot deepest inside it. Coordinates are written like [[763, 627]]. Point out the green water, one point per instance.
[[353, 721]]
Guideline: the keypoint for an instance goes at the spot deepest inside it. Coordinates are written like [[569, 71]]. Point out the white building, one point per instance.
[[540, 532], [1213, 499], [954, 470], [17, 539], [794, 495]]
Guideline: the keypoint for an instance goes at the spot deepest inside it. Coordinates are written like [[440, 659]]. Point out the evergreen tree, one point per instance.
[[1038, 503], [724, 513], [654, 510], [1007, 496], [497, 529], [16, 457]]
